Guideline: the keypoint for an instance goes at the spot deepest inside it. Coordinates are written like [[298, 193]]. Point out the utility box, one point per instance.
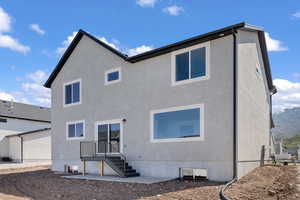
[[194, 173]]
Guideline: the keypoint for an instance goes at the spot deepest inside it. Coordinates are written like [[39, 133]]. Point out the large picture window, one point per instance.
[[72, 93], [191, 64], [177, 124]]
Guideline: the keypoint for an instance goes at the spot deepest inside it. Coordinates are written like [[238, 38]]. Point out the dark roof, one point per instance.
[[169, 48], [29, 132], [22, 111]]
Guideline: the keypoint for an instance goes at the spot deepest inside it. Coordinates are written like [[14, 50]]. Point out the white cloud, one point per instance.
[[38, 76], [31, 90], [6, 96], [5, 21], [113, 44], [173, 10], [34, 90], [296, 15], [273, 44], [37, 29], [296, 75], [146, 3], [7, 41], [65, 44], [138, 50], [288, 95]]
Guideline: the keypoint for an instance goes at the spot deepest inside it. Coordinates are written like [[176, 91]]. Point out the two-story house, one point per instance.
[[204, 102]]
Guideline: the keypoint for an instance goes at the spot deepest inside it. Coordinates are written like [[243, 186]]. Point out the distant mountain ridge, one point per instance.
[[287, 123]]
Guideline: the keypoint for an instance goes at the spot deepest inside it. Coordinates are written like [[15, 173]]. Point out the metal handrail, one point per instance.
[[94, 152], [124, 158]]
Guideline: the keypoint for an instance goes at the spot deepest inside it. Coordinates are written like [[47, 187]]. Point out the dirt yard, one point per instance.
[[269, 182], [42, 184]]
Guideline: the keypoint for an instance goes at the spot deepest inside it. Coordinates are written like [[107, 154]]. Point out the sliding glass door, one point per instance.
[[109, 137]]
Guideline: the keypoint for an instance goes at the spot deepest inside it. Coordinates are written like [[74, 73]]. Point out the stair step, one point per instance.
[[132, 174], [119, 163]]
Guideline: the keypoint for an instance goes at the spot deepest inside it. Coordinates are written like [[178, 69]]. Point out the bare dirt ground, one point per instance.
[[269, 182], [42, 184]]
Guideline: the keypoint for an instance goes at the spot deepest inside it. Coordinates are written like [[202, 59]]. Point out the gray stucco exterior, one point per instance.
[[254, 105], [146, 86]]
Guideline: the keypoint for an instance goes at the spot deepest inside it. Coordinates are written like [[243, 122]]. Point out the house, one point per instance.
[[201, 103], [24, 132]]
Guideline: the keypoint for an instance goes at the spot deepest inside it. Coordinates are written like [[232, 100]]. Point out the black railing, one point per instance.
[[88, 149], [95, 149]]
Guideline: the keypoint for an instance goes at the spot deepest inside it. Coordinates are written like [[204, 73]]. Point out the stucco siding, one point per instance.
[[146, 86], [253, 103]]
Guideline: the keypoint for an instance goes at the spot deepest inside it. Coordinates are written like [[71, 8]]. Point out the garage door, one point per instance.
[[37, 146]]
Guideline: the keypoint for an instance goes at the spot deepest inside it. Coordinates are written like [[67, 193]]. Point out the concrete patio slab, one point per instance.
[[139, 179]]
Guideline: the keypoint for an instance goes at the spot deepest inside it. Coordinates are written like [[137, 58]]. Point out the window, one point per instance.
[[109, 136], [112, 76], [191, 64], [177, 124], [75, 130], [3, 120], [72, 93]]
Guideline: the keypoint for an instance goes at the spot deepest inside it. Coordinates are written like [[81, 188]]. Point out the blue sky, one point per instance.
[[33, 35]]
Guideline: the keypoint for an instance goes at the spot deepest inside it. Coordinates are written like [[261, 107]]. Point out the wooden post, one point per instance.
[[84, 168], [101, 168], [262, 155]]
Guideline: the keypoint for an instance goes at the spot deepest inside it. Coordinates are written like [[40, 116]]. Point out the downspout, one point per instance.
[[21, 148], [234, 178], [234, 104]]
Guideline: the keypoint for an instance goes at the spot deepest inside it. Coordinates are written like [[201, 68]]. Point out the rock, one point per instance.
[[271, 192]]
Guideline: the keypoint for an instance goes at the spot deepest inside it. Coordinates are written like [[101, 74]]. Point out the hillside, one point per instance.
[[287, 123]]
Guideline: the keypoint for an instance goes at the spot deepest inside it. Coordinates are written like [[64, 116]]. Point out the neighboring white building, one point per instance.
[[280, 152], [30, 124]]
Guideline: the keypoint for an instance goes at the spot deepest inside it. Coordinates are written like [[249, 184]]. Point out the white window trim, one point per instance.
[[80, 92], [75, 122], [106, 82], [113, 121], [189, 49], [200, 138]]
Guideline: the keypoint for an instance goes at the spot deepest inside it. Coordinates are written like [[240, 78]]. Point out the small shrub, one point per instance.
[[6, 159]]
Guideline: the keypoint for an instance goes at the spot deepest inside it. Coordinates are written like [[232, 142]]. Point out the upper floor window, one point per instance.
[[191, 64], [3, 120], [75, 130], [72, 93], [112, 76]]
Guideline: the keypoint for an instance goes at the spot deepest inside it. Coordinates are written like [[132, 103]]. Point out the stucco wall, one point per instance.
[[13, 126], [253, 103], [146, 86]]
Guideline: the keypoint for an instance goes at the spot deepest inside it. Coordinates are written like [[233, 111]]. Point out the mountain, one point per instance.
[[287, 123]]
